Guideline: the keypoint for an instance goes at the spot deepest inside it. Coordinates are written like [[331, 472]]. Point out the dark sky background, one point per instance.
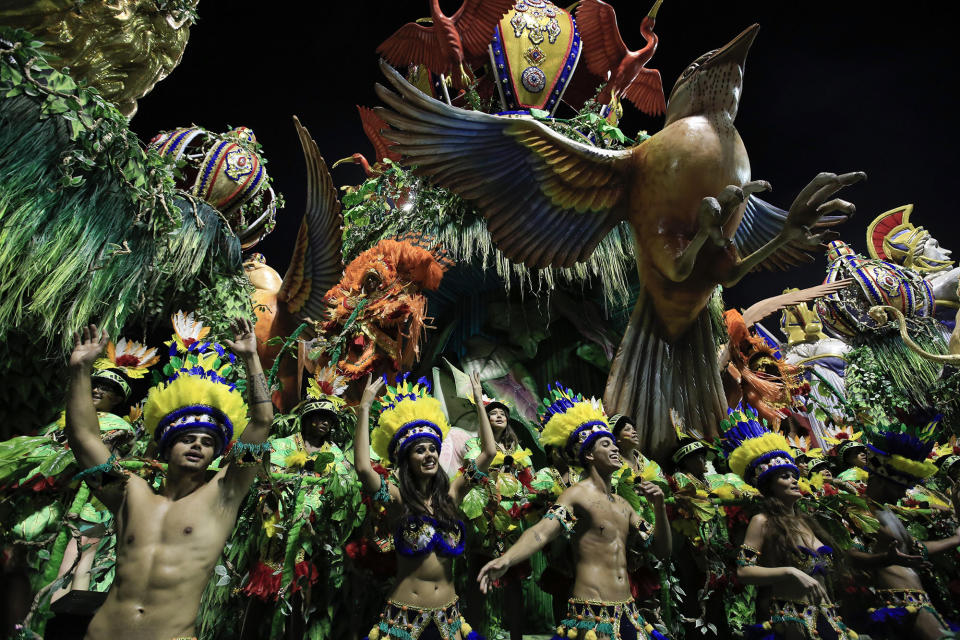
[[829, 87]]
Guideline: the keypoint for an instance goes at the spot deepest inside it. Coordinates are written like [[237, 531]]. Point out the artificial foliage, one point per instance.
[[884, 376], [91, 226]]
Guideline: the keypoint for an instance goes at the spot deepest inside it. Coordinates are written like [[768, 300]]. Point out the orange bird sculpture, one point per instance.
[[686, 192], [443, 46], [606, 53]]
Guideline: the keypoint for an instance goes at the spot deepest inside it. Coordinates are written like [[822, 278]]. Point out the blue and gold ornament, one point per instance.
[[408, 413], [752, 450], [845, 313], [900, 450], [571, 422], [197, 393], [226, 171]]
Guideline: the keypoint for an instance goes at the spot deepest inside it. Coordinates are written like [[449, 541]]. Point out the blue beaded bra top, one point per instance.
[[817, 561], [420, 535]]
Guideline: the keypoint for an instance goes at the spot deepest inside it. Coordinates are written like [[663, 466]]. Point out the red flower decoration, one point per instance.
[[264, 583], [526, 477], [304, 569], [127, 360]]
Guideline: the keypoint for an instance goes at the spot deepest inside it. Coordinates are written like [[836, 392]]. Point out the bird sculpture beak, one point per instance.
[[653, 11], [736, 50], [343, 160]]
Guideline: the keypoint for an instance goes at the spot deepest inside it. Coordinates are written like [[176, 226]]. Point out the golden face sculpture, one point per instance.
[[120, 47]]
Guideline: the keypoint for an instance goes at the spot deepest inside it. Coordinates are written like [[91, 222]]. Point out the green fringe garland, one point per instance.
[[371, 214], [90, 227], [883, 372], [715, 307]]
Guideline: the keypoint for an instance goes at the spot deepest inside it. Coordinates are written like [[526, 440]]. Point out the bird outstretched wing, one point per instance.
[[414, 44], [645, 91], [761, 222], [475, 21], [372, 126], [603, 48], [760, 310], [547, 200], [316, 264]]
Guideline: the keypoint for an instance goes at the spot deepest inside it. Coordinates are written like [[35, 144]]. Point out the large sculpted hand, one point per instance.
[[812, 203], [88, 344]]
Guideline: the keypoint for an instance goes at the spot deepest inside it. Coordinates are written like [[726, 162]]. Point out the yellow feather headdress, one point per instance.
[[408, 413], [571, 422], [843, 440], [323, 393], [947, 456], [752, 450], [900, 450], [197, 393]]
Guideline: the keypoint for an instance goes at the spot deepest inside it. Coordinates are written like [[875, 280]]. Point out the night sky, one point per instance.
[[829, 87]]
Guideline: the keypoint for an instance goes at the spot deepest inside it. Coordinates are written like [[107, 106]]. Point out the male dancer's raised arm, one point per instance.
[[83, 427], [238, 477]]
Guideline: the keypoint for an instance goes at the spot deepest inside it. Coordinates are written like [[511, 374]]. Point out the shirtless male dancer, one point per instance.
[[603, 526], [897, 463], [168, 541]]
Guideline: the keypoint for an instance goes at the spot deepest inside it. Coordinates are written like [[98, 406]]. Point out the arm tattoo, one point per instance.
[[259, 391], [537, 537]]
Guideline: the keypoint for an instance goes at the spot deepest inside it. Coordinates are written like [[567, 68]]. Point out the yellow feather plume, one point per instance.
[[753, 448], [398, 413], [560, 426]]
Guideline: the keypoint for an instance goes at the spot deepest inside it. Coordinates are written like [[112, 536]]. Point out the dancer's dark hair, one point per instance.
[[443, 508]]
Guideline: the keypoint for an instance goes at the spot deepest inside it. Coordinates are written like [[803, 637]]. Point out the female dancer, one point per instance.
[[422, 505], [506, 498], [784, 552]]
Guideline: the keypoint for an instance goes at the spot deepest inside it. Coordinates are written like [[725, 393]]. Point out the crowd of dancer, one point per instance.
[[623, 548]]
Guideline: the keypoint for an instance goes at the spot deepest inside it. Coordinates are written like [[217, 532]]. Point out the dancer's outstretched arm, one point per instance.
[[369, 479]]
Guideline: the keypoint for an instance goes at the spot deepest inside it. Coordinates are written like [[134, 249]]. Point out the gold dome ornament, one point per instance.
[[846, 313], [122, 48]]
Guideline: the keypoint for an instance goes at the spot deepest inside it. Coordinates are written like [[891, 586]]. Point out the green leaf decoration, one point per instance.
[[474, 502]]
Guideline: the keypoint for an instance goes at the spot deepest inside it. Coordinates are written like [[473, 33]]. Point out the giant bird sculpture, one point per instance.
[[315, 266], [444, 45], [606, 53], [686, 192]]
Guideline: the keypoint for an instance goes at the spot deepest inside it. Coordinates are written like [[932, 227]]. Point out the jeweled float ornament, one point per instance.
[[534, 54], [846, 313], [227, 171]]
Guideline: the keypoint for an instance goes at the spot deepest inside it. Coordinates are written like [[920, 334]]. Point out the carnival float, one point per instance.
[[521, 301]]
